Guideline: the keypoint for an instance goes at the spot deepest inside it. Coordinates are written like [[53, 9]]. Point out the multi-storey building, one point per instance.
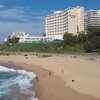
[[92, 18], [70, 20]]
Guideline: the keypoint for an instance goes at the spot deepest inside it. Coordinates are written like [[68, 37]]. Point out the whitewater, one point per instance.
[[10, 77]]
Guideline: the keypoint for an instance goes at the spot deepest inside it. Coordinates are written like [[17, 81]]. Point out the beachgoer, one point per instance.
[[62, 71]]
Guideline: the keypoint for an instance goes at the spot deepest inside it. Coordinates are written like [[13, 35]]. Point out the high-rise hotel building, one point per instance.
[[70, 20], [92, 18]]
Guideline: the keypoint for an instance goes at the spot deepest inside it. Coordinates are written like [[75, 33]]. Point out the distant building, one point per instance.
[[26, 38], [34, 39], [70, 20], [92, 18], [19, 34]]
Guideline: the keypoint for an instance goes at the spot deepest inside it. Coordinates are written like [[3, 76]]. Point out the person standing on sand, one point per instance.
[[49, 72], [62, 71]]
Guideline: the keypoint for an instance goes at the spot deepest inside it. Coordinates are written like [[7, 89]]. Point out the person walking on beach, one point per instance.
[[62, 71], [49, 72]]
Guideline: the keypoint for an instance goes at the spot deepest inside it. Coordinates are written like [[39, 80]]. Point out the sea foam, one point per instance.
[[23, 79]]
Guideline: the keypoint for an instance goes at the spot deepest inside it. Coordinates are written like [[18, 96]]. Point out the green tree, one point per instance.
[[69, 39], [93, 43], [82, 37], [88, 46], [96, 43], [93, 31], [13, 40]]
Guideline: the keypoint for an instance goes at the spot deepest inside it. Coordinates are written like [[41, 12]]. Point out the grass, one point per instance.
[[43, 48], [69, 49]]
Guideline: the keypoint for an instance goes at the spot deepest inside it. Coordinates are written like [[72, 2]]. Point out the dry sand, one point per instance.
[[84, 73]]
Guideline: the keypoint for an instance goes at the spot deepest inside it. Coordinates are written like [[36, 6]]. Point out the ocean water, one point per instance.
[[21, 78]]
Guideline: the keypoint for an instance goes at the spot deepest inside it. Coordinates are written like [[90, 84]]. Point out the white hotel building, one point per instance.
[[70, 20], [92, 18]]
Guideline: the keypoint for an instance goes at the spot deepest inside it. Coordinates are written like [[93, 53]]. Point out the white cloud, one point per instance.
[[26, 20], [21, 14], [36, 28]]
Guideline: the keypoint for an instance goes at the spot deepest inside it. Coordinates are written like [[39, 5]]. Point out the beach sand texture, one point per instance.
[[83, 76]]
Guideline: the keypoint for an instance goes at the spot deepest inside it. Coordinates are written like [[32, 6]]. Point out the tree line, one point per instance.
[[83, 42], [90, 40]]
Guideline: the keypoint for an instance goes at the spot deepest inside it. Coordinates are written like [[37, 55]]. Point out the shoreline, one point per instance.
[[57, 91], [15, 89], [50, 75]]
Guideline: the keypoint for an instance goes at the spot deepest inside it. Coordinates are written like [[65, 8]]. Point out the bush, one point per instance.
[[51, 47], [69, 39], [88, 46]]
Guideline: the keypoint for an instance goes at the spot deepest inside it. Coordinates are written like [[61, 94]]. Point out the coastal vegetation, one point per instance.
[[82, 43], [42, 47]]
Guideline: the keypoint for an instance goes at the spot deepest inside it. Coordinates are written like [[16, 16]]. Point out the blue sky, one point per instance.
[[29, 15]]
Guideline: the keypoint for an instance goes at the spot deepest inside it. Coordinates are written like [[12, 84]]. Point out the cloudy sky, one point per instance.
[[29, 15]]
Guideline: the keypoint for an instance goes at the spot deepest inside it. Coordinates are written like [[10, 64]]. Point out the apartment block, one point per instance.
[[70, 20], [92, 18]]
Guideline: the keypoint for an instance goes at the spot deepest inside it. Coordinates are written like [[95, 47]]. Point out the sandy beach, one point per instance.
[[61, 77]]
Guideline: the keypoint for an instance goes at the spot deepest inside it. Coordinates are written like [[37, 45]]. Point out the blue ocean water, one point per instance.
[[11, 77]]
